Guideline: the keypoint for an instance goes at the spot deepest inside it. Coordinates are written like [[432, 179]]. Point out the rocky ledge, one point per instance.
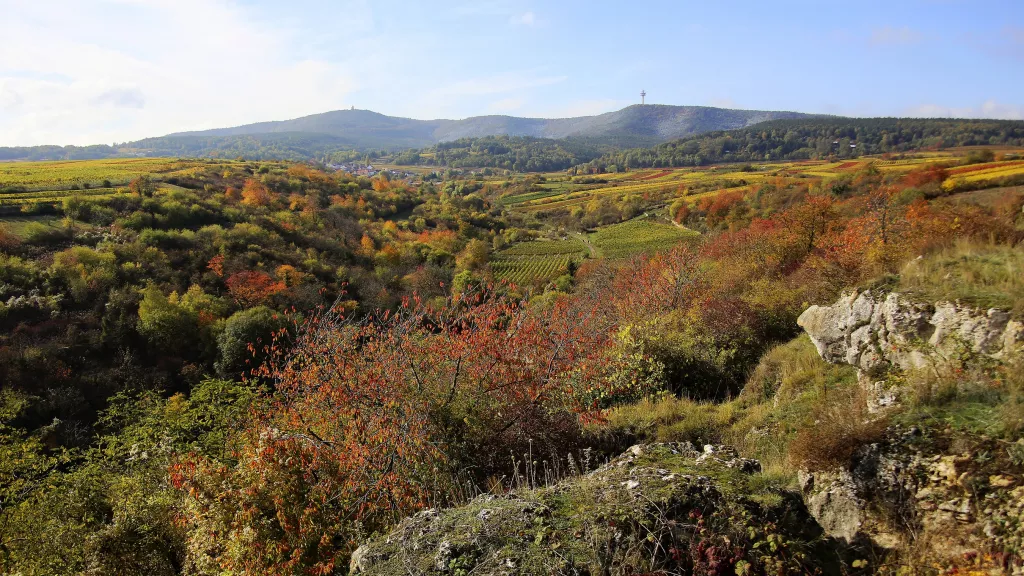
[[657, 507], [961, 495], [875, 331]]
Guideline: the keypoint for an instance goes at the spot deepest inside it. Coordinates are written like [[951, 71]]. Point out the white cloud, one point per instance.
[[525, 19], [988, 109], [888, 36], [74, 72]]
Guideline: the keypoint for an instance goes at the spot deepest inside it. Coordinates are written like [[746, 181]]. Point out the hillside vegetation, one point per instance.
[[228, 367], [815, 138]]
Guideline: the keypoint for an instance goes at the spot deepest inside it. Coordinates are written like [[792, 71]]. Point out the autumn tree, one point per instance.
[[142, 186], [252, 287], [378, 418], [255, 193]]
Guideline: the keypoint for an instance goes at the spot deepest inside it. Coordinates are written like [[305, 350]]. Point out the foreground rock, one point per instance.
[[657, 507], [960, 495], [932, 493]]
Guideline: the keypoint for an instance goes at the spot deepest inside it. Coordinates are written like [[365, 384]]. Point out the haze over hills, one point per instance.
[[320, 134], [652, 123]]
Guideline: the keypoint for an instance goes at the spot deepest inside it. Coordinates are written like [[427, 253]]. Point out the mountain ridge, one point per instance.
[[651, 122]]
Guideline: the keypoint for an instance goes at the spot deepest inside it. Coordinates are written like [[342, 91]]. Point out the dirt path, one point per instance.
[[592, 252]]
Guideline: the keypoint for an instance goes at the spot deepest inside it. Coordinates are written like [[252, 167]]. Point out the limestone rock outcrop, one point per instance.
[[875, 331]]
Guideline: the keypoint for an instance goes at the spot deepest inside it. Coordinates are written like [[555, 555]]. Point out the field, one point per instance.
[[62, 175], [637, 236], [24, 184], [666, 184], [537, 262]]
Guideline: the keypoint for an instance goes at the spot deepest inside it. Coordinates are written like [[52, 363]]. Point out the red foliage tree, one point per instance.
[[375, 419], [251, 288]]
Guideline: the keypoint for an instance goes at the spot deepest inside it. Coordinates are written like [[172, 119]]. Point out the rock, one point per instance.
[[601, 518], [835, 505], [1001, 481], [903, 489], [359, 563], [876, 331]]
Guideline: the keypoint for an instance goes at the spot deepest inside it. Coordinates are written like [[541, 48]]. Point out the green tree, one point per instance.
[[165, 324], [245, 335]]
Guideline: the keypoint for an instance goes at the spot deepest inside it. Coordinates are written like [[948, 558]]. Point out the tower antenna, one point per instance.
[[643, 96]]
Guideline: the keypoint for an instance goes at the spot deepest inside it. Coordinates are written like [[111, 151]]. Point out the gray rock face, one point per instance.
[[913, 486], [905, 489], [875, 331]]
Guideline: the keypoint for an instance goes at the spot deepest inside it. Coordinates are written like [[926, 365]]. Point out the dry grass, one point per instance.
[[840, 425], [979, 274], [782, 394]]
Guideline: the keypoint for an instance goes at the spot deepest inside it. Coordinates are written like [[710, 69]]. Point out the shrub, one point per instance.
[[837, 428], [245, 336]]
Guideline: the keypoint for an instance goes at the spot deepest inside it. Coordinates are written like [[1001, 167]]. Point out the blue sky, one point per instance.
[[100, 71]]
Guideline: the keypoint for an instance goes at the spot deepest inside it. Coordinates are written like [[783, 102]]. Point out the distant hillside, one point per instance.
[[635, 125], [814, 138], [319, 135]]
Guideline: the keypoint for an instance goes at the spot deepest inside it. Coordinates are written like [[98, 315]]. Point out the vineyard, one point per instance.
[[638, 236], [62, 175], [696, 182], [52, 196], [537, 262]]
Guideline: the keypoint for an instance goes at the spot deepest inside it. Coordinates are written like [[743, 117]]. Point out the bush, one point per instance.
[[254, 326]]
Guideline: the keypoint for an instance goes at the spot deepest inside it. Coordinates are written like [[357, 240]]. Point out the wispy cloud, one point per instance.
[[888, 36], [528, 19], [496, 84], [105, 73], [988, 109]]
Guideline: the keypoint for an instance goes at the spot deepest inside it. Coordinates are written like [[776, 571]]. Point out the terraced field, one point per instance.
[[638, 236], [537, 262]]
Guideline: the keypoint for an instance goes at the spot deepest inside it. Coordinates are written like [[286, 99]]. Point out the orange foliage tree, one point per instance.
[[255, 193], [252, 287], [373, 420]]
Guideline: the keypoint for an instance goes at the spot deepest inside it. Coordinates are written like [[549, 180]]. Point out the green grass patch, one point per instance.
[[21, 226]]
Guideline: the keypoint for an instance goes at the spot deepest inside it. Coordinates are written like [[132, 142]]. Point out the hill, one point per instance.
[[319, 134], [816, 138]]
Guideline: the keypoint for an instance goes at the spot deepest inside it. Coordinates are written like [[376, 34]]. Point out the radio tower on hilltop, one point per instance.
[[643, 96]]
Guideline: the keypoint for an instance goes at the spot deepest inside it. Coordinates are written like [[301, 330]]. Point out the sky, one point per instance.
[[104, 71]]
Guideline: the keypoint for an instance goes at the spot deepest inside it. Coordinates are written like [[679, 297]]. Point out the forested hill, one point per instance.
[[518, 153], [816, 138], [320, 134]]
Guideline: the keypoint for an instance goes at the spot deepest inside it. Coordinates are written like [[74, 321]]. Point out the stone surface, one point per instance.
[[600, 522], [876, 331]]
